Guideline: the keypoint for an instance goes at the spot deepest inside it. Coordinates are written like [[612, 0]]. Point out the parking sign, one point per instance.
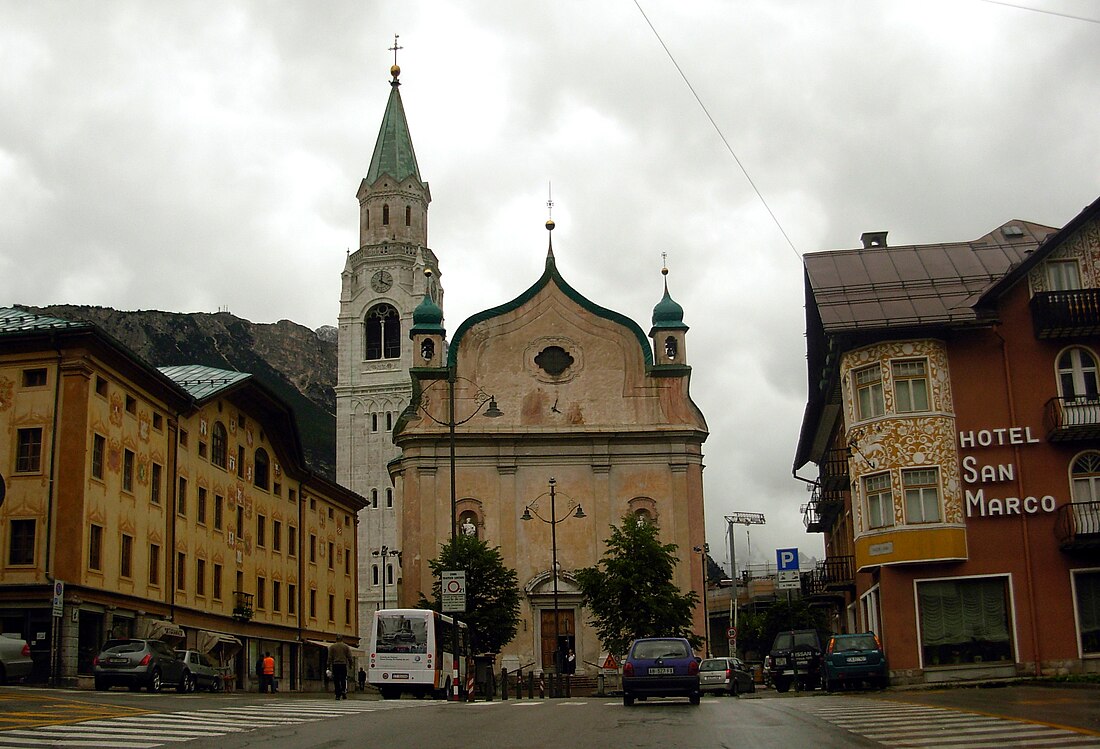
[[786, 559]]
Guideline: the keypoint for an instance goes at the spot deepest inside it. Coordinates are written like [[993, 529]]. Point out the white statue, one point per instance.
[[468, 528]]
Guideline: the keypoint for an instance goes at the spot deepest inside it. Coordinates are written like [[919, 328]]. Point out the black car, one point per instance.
[[140, 663], [660, 667], [795, 658]]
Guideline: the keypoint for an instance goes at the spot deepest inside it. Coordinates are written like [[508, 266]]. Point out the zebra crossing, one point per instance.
[[149, 730], [898, 724]]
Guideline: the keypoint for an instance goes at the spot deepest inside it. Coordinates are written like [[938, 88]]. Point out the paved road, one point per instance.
[[120, 720]]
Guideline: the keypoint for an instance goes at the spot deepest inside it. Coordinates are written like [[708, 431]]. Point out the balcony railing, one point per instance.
[[830, 577], [822, 510], [1077, 526], [1072, 418], [1060, 314], [834, 469], [242, 606]]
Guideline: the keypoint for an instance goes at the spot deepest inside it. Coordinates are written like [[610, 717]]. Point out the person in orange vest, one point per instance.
[[267, 680]]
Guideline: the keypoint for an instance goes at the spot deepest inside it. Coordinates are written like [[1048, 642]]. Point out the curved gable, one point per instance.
[[550, 275]]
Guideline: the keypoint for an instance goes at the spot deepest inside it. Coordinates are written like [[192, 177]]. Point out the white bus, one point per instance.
[[411, 650]]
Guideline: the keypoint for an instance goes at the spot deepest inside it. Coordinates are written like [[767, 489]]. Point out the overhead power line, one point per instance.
[[1044, 12], [718, 130]]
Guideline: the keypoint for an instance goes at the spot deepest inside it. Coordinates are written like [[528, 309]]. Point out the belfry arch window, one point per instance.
[[383, 333], [385, 214], [670, 348], [1077, 375], [408, 215]]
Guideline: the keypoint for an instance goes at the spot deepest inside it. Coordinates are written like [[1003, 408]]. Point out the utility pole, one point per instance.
[[738, 518]]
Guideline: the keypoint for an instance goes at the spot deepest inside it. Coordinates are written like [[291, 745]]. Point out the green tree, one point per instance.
[[492, 592], [630, 592]]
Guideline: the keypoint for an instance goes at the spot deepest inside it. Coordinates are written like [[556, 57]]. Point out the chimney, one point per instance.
[[872, 239]]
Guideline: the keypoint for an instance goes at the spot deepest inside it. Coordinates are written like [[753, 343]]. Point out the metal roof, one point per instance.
[[393, 151], [14, 320], [203, 382], [913, 285]]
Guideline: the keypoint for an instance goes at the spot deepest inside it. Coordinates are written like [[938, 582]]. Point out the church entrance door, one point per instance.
[[566, 637]]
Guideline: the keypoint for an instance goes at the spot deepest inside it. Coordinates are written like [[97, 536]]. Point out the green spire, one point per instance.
[[427, 318], [393, 151], [668, 313]]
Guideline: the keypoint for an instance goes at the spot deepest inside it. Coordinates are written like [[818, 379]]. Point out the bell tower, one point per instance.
[[383, 282]]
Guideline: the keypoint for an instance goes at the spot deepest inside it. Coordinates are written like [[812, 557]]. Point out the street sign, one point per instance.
[[610, 664], [58, 598], [731, 633], [786, 559], [454, 591]]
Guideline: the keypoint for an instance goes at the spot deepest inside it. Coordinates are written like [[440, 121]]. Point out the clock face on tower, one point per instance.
[[382, 281]]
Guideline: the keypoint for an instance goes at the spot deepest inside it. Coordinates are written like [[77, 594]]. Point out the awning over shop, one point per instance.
[[225, 645], [319, 643], [161, 629]]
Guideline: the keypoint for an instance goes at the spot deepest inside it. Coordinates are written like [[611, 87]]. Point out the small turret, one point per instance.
[[668, 331], [427, 332]]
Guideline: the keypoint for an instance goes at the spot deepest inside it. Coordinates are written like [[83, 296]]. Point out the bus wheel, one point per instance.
[[389, 693]]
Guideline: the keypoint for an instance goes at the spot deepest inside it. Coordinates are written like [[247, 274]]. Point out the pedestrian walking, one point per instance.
[[267, 679], [362, 679], [339, 658]]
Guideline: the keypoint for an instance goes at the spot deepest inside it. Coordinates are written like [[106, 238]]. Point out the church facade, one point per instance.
[[587, 408]]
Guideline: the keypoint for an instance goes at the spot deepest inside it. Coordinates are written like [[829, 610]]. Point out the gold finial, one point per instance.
[[427, 272], [395, 69], [664, 263]]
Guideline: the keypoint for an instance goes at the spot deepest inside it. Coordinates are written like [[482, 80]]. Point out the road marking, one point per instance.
[[149, 730], [898, 724]]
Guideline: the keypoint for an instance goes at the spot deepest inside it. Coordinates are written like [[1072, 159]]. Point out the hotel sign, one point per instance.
[[977, 474]]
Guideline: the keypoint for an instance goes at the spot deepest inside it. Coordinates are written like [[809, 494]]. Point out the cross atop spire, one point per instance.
[[394, 48], [549, 200]]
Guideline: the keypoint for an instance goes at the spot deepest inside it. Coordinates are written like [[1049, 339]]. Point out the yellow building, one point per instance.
[[171, 503]]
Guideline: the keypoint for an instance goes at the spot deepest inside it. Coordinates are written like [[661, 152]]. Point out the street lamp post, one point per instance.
[[481, 398], [575, 511], [702, 552], [385, 553], [742, 518]]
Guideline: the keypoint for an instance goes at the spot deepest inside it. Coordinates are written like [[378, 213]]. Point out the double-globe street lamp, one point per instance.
[[481, 398], [530, 512], [385, 553]]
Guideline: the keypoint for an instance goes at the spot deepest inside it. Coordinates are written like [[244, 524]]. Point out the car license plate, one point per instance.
[[659, 671], [857, 659], [117, 661], [400, 676]]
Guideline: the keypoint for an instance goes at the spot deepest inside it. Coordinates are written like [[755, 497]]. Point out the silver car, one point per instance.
[[15, 658], [726, 675], [204, 674]]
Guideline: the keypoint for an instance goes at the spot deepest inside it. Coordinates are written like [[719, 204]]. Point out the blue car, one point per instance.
[[660, 667], [854, 659]]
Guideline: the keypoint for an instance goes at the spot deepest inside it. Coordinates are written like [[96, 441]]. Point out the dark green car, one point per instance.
[[854, 659]]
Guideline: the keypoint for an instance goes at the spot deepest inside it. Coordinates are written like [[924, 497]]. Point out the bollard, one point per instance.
[[600, 685], [568, 686]]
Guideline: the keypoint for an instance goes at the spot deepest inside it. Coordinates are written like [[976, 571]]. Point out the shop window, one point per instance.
[[880, 501], [1077, 375], [21, 542], [922, 495], [219, 445], [869, 400], [383, 333], [1086, 589], [964, 621], [910, 385]]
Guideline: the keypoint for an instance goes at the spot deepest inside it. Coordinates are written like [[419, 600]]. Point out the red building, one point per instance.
[[954, 417]]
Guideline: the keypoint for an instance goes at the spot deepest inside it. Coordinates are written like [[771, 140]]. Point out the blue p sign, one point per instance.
[[786, 559]]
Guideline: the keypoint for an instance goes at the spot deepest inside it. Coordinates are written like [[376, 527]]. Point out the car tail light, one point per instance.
[[628, 669], [95, 661], [693, 668], [728, 673], [146, 659], [878, 643], [832, 644], [26, 650]]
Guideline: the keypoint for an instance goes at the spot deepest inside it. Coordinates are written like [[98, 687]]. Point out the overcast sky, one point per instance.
[[196, 155]]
